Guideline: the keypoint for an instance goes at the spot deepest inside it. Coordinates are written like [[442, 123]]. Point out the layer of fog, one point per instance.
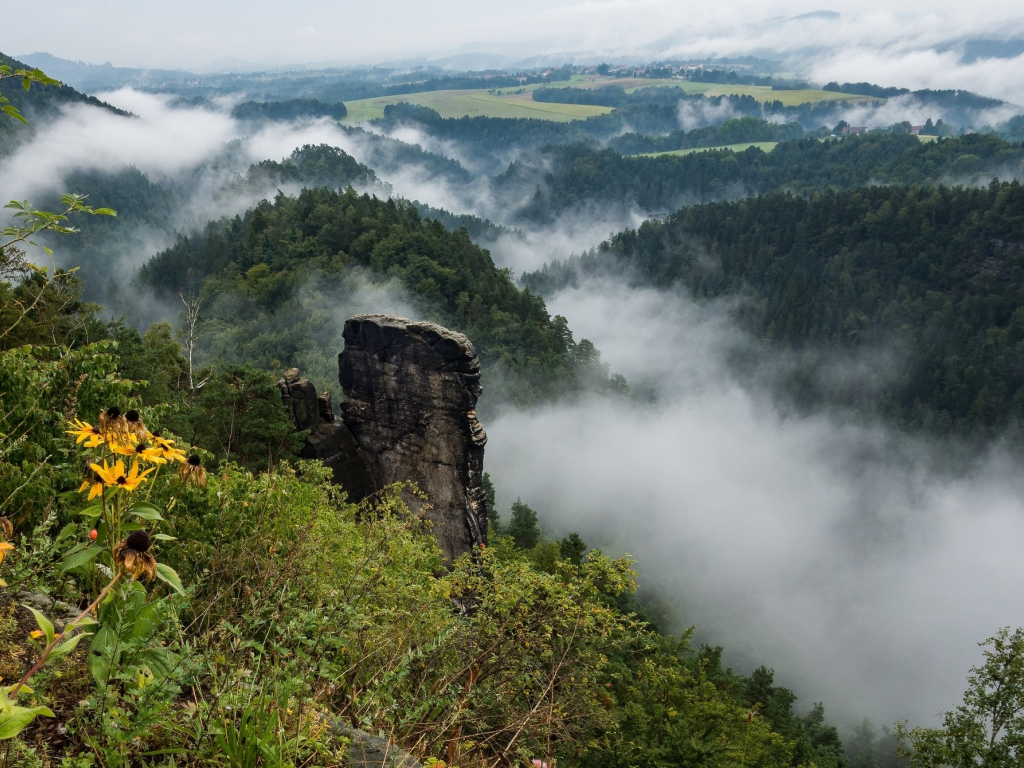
[[829, 549]]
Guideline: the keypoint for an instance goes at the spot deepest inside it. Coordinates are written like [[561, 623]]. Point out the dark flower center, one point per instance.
[[194, 460], [139, 541], [132, 416], [113, 412], [140, 448], [155, 434], [121, 480]]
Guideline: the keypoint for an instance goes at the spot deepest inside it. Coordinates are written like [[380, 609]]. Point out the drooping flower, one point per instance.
[[86, 433], [140, 450], [166, 448], [93, 482], [133, 556], [6, 528], [191, 471], [112, 424], [135, 425], [116, 475]]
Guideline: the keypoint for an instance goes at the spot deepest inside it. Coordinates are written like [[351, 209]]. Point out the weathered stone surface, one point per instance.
[[368, 751], [300, 399], [411, 390], [328, 439]]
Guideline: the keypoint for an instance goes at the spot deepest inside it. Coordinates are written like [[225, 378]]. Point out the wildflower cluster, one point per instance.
[[125, 448], [118, 549]]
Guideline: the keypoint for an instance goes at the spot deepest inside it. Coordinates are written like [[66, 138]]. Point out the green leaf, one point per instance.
[[14, 720], [68, 645], [98, 659], [80, 558], [160, 661], [147, 622], [163, 537], [13, 112], [104, 212], [168, 575], [44, 623], [145, 510], [94, 511]]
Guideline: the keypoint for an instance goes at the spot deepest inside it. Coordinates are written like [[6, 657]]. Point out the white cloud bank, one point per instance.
[[830, 552]]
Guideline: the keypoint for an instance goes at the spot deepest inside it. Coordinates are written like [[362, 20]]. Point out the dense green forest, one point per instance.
[[272, 283], [581, 176], [739, 131], [932, 272], [287, 110], [38, 103]]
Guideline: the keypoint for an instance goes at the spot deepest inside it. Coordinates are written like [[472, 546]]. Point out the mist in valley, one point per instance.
[[847, 556]]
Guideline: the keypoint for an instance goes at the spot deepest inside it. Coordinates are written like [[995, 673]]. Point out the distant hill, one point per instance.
[[38, 103], [93, 78]]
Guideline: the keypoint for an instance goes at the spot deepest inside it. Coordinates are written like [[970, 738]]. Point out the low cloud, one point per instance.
[[838, 553]]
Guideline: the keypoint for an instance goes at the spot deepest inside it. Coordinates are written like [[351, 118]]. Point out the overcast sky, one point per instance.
[[192, 34]]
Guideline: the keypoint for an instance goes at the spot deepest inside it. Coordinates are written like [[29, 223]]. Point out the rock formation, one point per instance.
[[328, 439], [410, 402]]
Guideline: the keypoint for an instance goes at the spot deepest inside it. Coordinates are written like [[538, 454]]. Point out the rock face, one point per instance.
[[328, 440], [410, 402], [368, 751]]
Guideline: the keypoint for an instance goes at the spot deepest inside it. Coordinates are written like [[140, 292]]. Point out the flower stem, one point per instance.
[[58, 638]]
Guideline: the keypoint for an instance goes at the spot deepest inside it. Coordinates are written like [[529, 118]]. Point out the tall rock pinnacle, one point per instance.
[[410, 402]]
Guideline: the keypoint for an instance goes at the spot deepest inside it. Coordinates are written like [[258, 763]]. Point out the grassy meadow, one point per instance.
[[764, 146], [518, 102], [474, 103], [762, 93]]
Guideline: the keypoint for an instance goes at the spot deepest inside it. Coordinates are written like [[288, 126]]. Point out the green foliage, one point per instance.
[[493, 518], [239, 416], [272, 283], [988, 728], [737, 131], [287, 110], [40, 387], [522, 526], [931, 272], [582, 175], [572, 548]]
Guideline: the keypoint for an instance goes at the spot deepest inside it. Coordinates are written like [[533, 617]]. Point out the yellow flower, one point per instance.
[[5, 547], [93, 482], [116, 476], [35, 634], [141, 450], [86, 433], [167, 449]]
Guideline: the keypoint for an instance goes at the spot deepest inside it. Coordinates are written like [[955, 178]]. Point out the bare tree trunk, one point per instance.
[[191, 319]]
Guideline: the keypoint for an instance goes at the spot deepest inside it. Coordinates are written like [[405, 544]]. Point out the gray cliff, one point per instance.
[[410, 403]]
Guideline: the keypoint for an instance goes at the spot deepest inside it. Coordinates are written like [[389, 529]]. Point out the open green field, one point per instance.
[[764, 146], [474, 103], [763, 93], [518, 102]]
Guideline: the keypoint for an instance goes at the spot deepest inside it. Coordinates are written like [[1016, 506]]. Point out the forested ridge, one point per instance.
[[584, 176], [265, 279], [935, 272]]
